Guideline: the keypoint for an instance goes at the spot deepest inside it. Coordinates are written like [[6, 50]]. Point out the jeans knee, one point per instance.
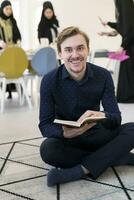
[[128, 129], [48, 150], [128, 126], [43, 149]]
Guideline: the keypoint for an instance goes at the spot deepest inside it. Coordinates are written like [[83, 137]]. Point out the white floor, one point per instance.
[[23, 174]]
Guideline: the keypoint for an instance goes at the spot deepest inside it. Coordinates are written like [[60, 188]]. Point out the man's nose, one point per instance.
[[74, 53]]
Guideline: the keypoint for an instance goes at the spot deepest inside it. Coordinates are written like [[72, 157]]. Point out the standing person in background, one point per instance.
[[48, 25], [124, 11], [9, 32]]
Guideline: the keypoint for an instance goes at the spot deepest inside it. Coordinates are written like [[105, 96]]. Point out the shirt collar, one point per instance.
[[89, 72]]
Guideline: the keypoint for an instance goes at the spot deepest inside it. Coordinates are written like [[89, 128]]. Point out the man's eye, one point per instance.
[[80, 48], [68, 50]]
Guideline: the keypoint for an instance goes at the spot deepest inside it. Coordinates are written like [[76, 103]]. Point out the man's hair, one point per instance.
[[69, 32]]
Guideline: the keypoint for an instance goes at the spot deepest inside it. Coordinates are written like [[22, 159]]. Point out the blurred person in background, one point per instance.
[[48, 25], [124, 25], [9, 32]]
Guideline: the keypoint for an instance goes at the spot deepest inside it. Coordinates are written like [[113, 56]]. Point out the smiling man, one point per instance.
[[72, 92], [75, 55]]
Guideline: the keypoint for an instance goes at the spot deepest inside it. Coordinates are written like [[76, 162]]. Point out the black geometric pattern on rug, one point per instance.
[[16, 156]]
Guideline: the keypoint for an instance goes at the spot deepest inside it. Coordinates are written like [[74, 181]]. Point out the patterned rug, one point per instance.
[[23, 176]]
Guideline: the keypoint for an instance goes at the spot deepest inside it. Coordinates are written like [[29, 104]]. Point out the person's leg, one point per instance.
[[55, 152], [58, 176], [126, 74], [59, 154], [111, 148], [110, 153], [128, 159], [70, 153], [90, 141], [9, 91]]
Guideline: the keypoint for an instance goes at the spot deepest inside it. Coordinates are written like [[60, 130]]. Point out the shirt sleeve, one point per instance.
[[47, 111], [110, 105]]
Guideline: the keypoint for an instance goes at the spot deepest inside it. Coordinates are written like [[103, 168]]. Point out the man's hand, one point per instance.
[[91, 113], [71, 132]]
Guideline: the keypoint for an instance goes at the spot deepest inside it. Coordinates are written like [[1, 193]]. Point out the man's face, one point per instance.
[[74, 52]]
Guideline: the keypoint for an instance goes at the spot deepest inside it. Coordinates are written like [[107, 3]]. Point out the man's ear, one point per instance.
[[60, 55], [88, 50]]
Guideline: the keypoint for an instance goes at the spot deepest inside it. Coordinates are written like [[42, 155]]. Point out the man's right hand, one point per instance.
[[71, 132]]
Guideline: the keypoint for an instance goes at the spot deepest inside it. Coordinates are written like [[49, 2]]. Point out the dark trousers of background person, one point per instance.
[[96, 149], [125, 88], [10, 88]]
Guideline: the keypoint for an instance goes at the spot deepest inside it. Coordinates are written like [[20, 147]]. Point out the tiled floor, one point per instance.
[[23, 174]]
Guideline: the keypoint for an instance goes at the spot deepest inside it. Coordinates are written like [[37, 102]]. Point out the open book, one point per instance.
[[79, 124]]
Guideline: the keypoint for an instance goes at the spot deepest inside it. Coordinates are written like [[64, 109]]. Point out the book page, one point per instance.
[[67, 122], [78, 124]]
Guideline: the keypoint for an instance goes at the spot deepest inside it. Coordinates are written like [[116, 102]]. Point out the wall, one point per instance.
[[84, 13]]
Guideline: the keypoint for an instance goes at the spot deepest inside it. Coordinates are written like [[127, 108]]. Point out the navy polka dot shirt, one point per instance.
[[64, 98]]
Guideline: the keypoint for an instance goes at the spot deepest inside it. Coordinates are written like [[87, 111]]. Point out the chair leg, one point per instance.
[[3, 91], [25, 93], [116, 74], [114, 67], [36, 91], [20, 93]]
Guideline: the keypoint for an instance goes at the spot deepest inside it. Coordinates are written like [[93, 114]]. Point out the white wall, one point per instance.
[[81, 13], [84, 13]]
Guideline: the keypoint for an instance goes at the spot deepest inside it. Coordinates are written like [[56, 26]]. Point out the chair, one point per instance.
[[112, 65], [13, 62], [98, 53], [43, 62]]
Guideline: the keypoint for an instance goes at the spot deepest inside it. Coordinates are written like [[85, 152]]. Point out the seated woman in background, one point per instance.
[[9, 32], [48, 25]]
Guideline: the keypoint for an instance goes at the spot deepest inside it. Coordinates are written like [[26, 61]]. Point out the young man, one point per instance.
[[72, 92]]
